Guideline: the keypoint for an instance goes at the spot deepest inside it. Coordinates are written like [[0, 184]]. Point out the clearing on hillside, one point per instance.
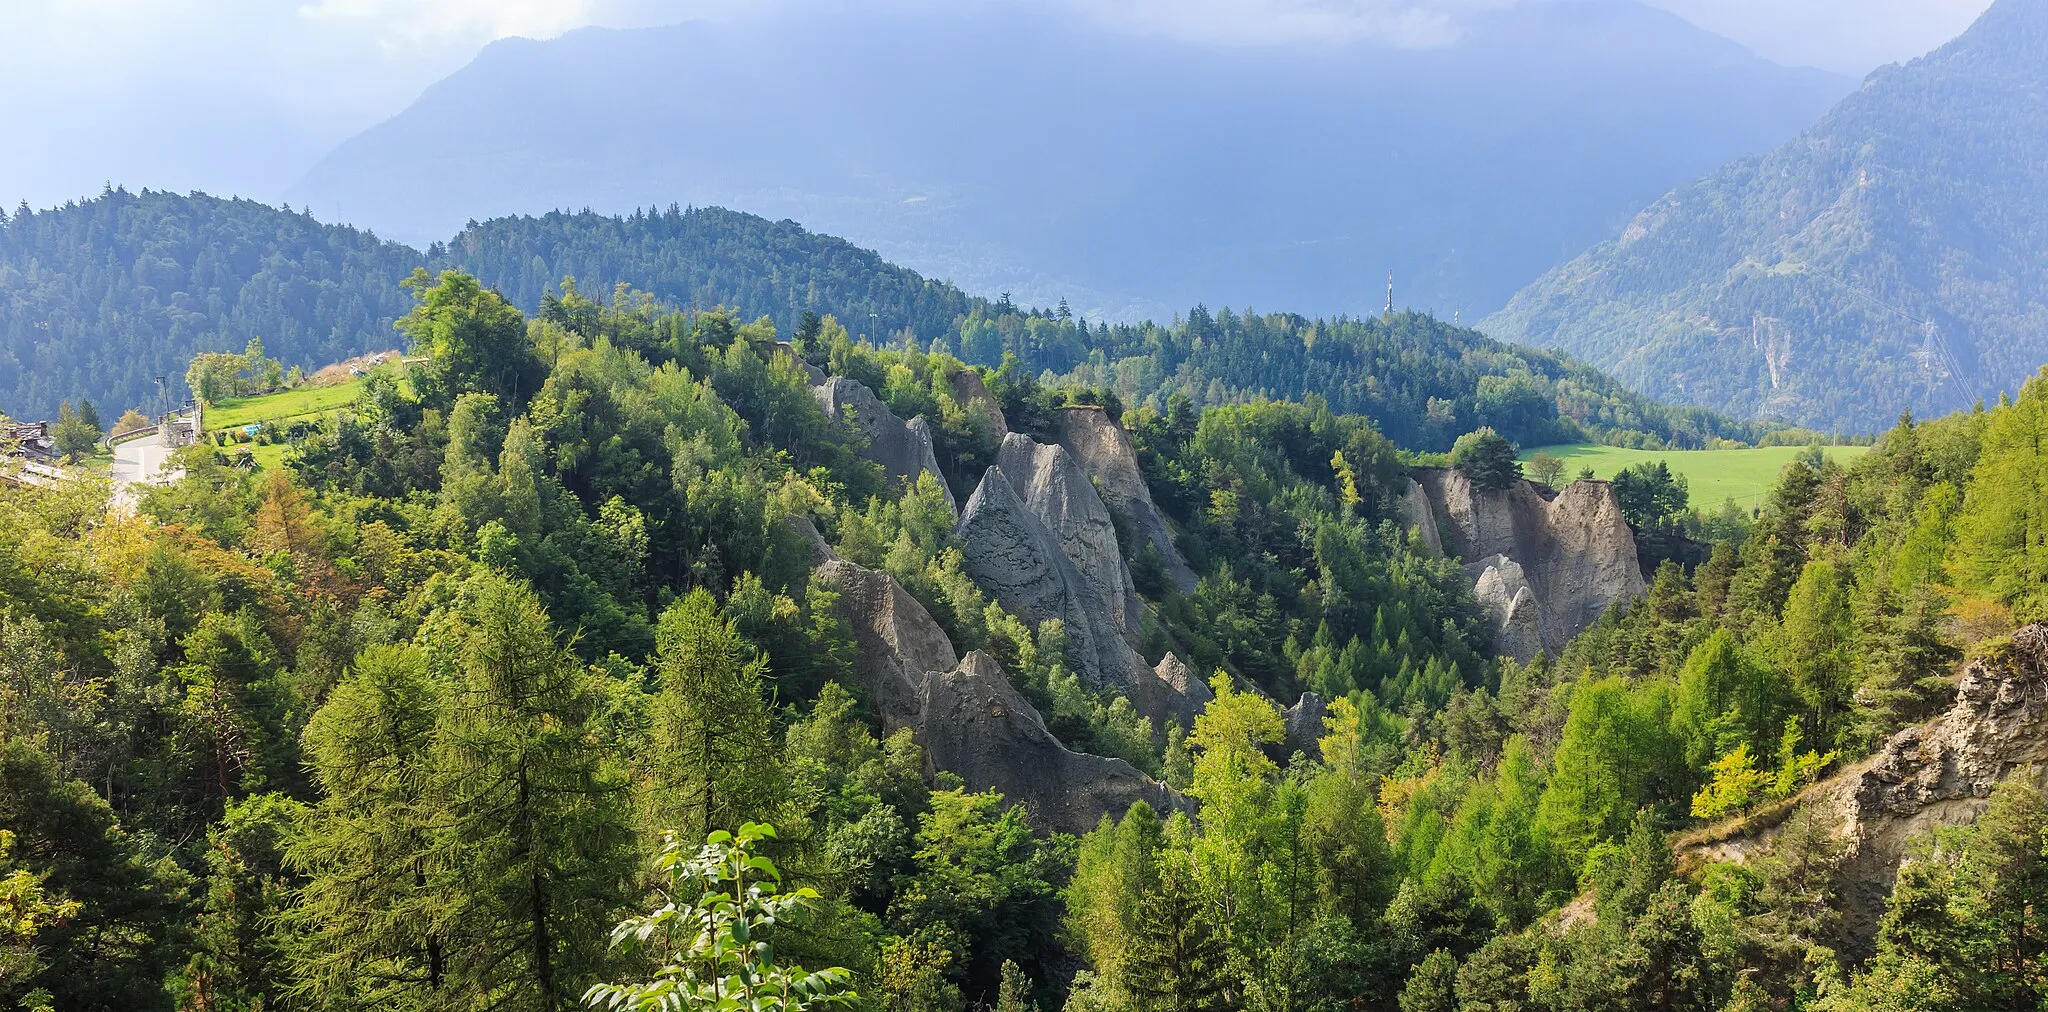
[[1713, 476]]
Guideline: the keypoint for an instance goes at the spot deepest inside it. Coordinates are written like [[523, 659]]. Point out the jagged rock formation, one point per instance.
[[1104, 450], [1416, 512], [971, 393], [1058, 493], [1022, 565], [812, 373], [1573, 554], [1503, 590], [1938, 773], [1173, 690], [904, 449], [1305, 724], [966, 714], [989, 734]]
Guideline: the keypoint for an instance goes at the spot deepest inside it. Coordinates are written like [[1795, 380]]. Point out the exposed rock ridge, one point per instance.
[[1104, 451], [1022, 565], [904, 449], [1059, 494], [971, 393], [968, 717], [1573, 554], [1935, 774]]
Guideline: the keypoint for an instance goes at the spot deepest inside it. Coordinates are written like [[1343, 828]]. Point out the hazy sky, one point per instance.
[[241, 96]]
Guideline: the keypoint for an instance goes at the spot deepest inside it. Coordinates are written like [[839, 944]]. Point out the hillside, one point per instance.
[[1894, 256], [1142, 175], [99, 299], [132, 285]]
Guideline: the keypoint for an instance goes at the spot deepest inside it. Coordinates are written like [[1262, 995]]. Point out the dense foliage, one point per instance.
[[103, 299], [1888, 259], [100, 299], [410, 720]]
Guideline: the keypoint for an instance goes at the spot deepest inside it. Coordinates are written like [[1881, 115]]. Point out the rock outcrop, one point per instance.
[[1022, 565], [1059, 494], [1503, 590], [971, 393], [987, 734], [1305, 724], [1573, 553], [967, 716], [1173, 691], [1416, 512], [904, 449], [1938, 773], [1104, 452]]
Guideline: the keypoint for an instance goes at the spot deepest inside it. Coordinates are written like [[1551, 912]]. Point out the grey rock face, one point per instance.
[[1305, 724], [1170, 690], [972, 394], [968, 717], [1504, 591], [1576, 555], [1416, 512], [1058, 493], [1936, 774], [976, 725], [904, 449], [1104, 451], [1021, 564]]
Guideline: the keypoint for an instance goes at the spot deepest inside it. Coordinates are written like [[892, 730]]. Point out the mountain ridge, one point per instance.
[[1880, 262], [1145, 176]]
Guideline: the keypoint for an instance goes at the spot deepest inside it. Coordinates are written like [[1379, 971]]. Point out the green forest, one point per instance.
[[516, 686], [102, 299]]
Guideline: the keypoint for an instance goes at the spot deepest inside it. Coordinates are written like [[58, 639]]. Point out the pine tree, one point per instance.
[[369, 925], [1176, 960], [532, 843], [713, 760]]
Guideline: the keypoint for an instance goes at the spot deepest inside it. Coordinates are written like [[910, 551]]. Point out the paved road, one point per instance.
[[140, 462]]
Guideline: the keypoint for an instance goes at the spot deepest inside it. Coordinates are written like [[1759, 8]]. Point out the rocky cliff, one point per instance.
[[966, 714], [1104, 452], [1017, 561], [1939, 773], [971, 393], [904, 449], [1059, 494], [1545, 566]]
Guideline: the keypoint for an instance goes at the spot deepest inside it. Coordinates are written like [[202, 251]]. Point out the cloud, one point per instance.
[[1412, 23], [414, 24]]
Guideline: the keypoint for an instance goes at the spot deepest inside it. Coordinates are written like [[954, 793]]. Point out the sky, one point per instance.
[[242, 96]]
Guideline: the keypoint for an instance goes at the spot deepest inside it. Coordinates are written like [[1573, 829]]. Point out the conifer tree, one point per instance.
[[369, 927], [1176, 961], [532, 843], [713, 757]]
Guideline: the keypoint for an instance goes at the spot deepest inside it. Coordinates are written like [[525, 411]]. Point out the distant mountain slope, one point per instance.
[[1004, 148], [703, 258], [1894, 256], [98, 299]]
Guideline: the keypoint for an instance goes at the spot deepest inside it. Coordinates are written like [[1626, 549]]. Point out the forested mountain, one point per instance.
[[1021, 147], [701, 259], [97, 299], [1894, 256], [100, 299], [401, 722]]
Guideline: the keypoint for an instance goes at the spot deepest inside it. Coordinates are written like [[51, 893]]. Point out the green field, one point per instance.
[[1713, 476], [285, 405]]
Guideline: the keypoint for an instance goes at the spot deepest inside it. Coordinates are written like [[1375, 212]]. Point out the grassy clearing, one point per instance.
[[1713, 476], [285, 405]]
